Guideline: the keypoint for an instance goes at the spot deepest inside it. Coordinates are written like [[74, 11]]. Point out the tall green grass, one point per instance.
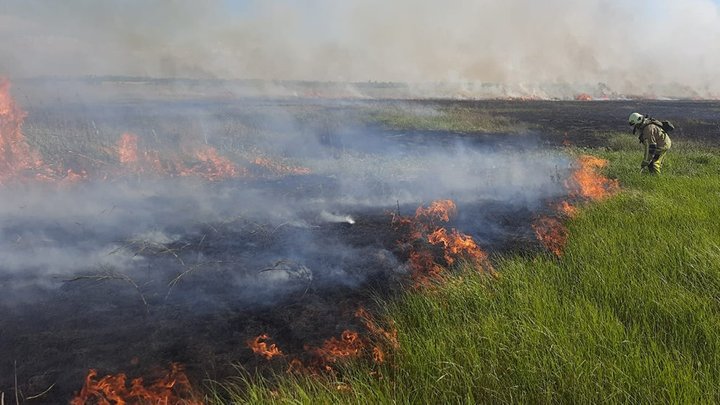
[[630, 312]]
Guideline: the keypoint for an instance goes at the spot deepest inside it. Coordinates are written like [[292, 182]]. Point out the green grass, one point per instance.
[[455, 119], [630, 313]]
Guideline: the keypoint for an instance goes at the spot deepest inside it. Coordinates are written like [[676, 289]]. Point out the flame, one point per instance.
[[457, 244], [260, 346], [350, 345], [389, 336], [16, 156], [378, 355], [587, 183], [423, 268], [441, 210], [172, 388], [551, 233], [583, 97], [128, 148], [206, 162], [424, 229], [279, 169], [567, 209], [211, 166]]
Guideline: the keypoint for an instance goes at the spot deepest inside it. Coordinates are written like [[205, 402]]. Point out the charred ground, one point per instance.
[[186, 303]]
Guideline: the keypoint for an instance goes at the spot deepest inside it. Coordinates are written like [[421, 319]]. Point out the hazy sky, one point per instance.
[[626, 44]]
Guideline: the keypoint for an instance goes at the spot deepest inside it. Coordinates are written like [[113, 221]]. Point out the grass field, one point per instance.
[[629, 313]]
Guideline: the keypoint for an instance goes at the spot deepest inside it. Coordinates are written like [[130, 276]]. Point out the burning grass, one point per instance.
[[610, 320], [585, 184], [171, 388]]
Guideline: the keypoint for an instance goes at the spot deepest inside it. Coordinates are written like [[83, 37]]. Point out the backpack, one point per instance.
[[666, 126]]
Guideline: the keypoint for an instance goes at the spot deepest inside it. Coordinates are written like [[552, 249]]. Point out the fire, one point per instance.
[[390, 337], [349, 346], [584, 184], [587, 183], [457, 244], [260, 346], [206, 162], [423, 268], [172, 388], [441, 210], [378, 355], [279, 169], [583, 97], [128, 148], [551, 233], [213, 167], [16, 156], [424, 230], [567, 209]]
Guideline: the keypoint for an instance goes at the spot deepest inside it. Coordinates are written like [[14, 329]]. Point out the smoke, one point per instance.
[[545, 49], [262, 237]]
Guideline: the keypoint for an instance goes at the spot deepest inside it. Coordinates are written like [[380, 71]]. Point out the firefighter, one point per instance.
[[654, 136]]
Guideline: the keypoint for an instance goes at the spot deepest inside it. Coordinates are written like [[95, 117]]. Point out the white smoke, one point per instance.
[[549, 48]]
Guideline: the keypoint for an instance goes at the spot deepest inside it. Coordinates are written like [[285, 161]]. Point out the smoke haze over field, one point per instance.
[[660, 48]]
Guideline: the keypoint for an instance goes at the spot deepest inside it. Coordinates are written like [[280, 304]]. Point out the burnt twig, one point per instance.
[[42, 393], [110, 275], [17, 393]]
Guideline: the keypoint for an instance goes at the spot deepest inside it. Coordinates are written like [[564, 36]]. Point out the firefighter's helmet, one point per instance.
[[635, 118]]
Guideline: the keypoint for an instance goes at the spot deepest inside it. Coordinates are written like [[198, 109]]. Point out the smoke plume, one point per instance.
[[553, 48]]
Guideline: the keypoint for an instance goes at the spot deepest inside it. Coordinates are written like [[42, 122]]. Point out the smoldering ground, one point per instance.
[[159, 268]]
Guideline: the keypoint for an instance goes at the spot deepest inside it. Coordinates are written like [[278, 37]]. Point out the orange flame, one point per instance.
[[172, 388], [213, 167], [441, 210], [16, 156], [423, 229], [551, 233], [128, 148], [391, 336], [207, 164], [350, 345], [587, 183], [423, 269], [457, 244], [260, 346], [378, 355], [583, 97], [567, 209]]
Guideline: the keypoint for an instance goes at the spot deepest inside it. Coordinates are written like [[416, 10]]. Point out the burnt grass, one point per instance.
[[202, 320]]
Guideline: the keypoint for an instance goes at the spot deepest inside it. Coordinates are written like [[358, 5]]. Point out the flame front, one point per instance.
[[424, 230], [586, 182], [260, 346], [551, 233], [349, 346], [172, 388], [457, 244], [16, 156]]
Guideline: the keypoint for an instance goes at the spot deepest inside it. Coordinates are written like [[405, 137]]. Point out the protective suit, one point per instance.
[[656, 142]]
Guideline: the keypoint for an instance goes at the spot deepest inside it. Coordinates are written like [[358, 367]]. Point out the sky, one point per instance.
[[625, 44]]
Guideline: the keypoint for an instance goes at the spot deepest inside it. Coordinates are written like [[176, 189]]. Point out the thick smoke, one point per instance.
[[548, 49]]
